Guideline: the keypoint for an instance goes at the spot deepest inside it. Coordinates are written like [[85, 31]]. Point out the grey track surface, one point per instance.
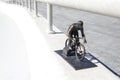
[[102, 33]]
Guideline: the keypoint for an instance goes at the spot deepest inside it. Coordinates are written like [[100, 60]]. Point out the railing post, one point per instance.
[[30, 4], [36, 8], [26, 3], [50, 18]]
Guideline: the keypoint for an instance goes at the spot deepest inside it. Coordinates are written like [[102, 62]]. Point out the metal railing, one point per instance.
[[104, 7]]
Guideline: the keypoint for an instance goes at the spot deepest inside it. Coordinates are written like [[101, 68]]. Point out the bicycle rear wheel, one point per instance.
[[67, 43]]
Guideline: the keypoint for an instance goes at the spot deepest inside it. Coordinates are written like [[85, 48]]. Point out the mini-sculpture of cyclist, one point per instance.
[[73, 44]]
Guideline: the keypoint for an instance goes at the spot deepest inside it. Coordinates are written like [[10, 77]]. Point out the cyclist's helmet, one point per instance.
[[80, 23]]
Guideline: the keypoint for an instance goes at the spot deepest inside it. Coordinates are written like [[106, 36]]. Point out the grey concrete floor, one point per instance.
[[102, 33]]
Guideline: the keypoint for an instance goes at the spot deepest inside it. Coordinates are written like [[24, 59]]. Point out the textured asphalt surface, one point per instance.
[[102, 33]]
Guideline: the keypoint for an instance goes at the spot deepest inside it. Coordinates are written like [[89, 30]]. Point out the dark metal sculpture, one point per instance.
[[73, 46]]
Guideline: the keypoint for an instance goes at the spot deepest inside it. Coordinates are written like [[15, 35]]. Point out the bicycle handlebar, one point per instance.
[[77, 38], [74, 38]]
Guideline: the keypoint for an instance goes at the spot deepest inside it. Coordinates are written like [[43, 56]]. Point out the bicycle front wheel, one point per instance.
[[81, 51]]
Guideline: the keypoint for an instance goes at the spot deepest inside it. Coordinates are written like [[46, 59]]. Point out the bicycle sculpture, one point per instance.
[[73, 46]]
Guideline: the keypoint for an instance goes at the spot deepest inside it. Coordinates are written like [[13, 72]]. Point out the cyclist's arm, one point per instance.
[[82, 33]]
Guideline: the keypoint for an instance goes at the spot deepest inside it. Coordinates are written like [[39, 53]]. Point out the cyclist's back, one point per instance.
[[73, 30]]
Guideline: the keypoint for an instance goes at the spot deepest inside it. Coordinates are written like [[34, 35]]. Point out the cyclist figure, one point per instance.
[[72, 45], [73, 31]]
